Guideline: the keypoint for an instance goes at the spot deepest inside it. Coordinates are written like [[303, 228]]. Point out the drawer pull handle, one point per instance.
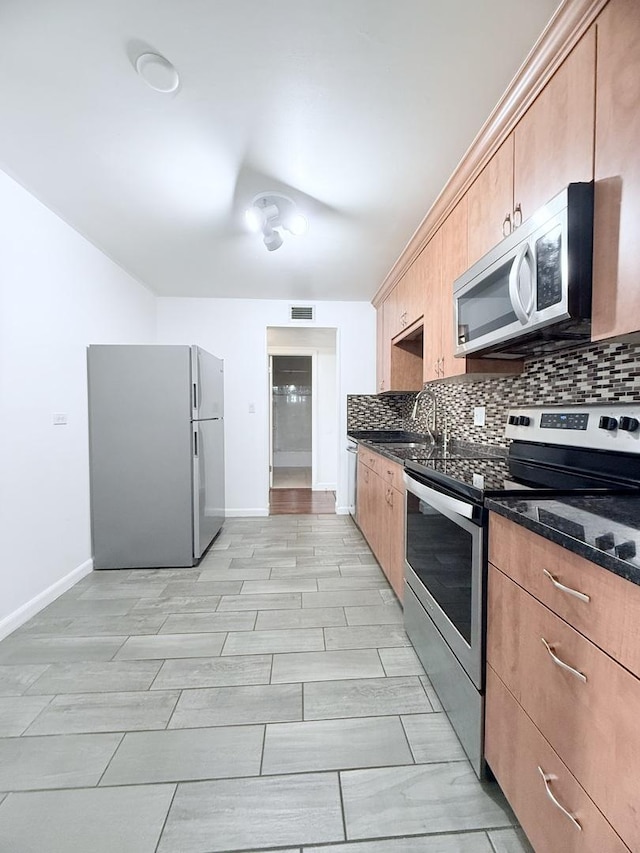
[[562, 664], [548, 777], [581, 595]]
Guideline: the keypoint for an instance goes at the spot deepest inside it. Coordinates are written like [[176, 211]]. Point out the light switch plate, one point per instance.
[[479, 415]]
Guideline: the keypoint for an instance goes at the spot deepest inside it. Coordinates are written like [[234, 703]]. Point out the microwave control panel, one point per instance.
[[549, 269]]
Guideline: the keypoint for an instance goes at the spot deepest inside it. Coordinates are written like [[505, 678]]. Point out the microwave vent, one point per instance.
[[302, 312]]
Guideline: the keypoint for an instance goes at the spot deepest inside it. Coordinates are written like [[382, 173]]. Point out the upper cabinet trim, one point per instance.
[[570, 22]]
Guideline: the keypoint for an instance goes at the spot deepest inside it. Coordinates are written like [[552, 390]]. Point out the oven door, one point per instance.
[[446, 566]]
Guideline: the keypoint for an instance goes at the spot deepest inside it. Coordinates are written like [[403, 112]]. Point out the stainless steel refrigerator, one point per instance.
[[156, 447]]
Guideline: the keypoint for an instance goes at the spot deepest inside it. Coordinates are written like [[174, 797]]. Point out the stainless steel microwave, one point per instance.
[[532, 292]]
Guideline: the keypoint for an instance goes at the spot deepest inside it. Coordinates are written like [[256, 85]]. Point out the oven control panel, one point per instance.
[[564, 420], [606, 426]]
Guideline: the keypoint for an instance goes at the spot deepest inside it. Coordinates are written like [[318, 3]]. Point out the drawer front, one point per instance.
[[519, 756], [585, 704], [611, 615], [371, 460], [391, 472]]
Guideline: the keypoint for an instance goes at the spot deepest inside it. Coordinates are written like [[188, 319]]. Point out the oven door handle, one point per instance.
[[438, 500]]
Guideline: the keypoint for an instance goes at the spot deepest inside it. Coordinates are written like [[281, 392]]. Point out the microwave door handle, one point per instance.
[[522, 312]]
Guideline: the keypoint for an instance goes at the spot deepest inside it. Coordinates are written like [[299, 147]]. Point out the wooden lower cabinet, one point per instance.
[[563, 692], [587, 705], [543, 793], [380, 513]]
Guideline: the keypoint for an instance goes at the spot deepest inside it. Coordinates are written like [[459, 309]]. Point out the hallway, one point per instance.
[[267, 699]]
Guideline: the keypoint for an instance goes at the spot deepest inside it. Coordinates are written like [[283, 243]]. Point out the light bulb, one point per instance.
[[253, 218], [298, 225]]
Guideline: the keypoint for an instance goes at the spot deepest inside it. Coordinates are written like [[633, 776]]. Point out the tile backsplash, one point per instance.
[[596, 373]]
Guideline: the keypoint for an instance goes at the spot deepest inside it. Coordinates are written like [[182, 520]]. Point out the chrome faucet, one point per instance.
[[431, 430]]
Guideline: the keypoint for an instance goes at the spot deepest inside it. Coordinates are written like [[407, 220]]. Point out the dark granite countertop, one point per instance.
[[380, 440], [603, 529]]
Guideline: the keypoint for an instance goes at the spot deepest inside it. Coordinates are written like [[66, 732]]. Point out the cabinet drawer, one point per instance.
[[391, 472], [368, 458], [589, 713], [611, 616], [519, 756]]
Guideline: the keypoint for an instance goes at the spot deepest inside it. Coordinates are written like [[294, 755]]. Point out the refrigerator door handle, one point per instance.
[[195, 443], [195, 396]]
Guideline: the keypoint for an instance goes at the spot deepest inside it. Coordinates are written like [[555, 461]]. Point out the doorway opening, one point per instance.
[[291, 421], [303, 417]]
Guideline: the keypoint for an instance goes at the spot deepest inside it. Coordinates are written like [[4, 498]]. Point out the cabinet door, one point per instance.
[[616, 294], [365, 501], [490, 200], [430, 261], [406, 302], [379, 542], [383, 352], [454, 263], [394, 569], [554, 139], [414, 294]]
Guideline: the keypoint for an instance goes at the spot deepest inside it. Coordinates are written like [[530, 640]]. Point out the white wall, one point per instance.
[[236, 330], [58, 293]]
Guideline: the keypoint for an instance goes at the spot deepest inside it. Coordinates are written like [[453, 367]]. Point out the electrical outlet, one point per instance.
[[479, 415], [59, 419], [252, 408]]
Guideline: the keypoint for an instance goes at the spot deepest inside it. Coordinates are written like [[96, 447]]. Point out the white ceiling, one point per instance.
[[358, 109]]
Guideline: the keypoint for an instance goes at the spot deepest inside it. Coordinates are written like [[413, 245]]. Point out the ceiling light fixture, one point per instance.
[[271, 213], [157, 72]]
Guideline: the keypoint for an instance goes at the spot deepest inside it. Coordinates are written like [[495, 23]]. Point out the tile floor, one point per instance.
[[266, 700]]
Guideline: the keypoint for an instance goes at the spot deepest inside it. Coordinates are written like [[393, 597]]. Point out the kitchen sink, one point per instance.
[[399, 445]]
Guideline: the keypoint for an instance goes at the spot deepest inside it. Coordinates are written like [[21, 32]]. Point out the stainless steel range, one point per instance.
[[555, 452]]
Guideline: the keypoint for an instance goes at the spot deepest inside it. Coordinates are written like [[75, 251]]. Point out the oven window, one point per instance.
[[440, 553]]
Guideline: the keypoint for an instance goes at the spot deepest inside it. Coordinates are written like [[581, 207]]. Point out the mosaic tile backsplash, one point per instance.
[[588, 374]]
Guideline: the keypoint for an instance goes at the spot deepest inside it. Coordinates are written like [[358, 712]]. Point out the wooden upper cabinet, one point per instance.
[[454, 263], [553, 142], [383, 352], [616, 293], [406, 303], [551, 146], [430, 261], [490, 201]]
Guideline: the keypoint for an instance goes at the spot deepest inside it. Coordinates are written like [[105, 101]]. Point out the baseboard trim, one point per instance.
[[342, 510], [247, 513], [14, 620]]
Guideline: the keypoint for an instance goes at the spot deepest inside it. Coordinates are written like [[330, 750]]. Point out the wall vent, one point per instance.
[[302, 312]]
